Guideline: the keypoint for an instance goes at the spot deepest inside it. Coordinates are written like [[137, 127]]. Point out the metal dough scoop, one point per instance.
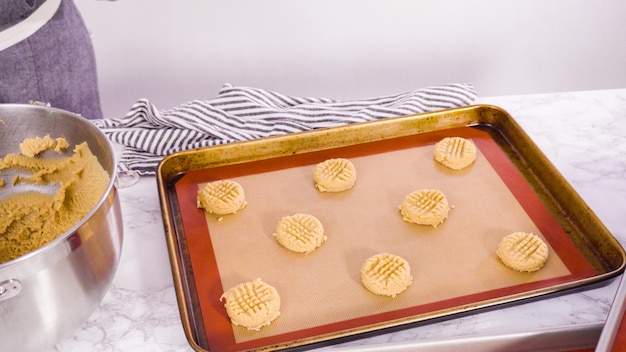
[[9, 175], [22, 187]]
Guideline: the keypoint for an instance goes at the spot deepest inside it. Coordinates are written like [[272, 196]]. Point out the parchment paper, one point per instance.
[[455, 259]]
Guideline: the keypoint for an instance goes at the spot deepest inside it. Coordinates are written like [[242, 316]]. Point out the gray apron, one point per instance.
[[55, 65]]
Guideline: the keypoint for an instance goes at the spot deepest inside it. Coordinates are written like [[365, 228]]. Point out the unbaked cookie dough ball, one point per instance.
[[386, 274], [252, 304], [334, 175], [301, 233], [221, 197], [455, 152], [523, 251], [425, 207]]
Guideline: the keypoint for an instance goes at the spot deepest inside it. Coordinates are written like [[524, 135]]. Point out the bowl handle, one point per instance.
[[9, 289]]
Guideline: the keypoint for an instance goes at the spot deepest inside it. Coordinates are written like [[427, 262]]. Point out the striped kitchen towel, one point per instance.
[[243, 113]]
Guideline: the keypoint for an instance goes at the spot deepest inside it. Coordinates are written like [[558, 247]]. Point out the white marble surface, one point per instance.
[[582, 133]]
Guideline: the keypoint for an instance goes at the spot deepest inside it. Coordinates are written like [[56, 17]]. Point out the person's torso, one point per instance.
[[14, 11]]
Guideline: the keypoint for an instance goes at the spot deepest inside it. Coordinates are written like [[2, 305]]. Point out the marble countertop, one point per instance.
[[582, 133]]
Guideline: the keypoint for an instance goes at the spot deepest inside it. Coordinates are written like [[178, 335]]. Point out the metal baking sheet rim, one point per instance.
[[177, 164]]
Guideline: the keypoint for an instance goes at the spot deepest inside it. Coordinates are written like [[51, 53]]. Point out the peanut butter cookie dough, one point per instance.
[[221, 197], [252, 304], [455, 152], [301, 233], [386, 274], [334, 175], [523, 251], [425, 207], [31, 219], [33, 146]]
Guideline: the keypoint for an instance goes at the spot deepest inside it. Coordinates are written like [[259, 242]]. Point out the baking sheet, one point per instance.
[[454, 265], [450, 263]]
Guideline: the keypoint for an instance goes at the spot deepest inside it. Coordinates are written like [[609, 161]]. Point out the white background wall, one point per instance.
[[173, 51]]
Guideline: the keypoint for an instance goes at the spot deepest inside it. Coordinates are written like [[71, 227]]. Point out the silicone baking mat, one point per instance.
[[453, 265]]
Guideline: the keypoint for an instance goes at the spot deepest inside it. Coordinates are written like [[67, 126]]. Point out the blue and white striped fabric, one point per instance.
[[242, 113]]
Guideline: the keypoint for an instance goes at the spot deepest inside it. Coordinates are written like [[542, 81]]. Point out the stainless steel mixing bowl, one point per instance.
[[45, 295]]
